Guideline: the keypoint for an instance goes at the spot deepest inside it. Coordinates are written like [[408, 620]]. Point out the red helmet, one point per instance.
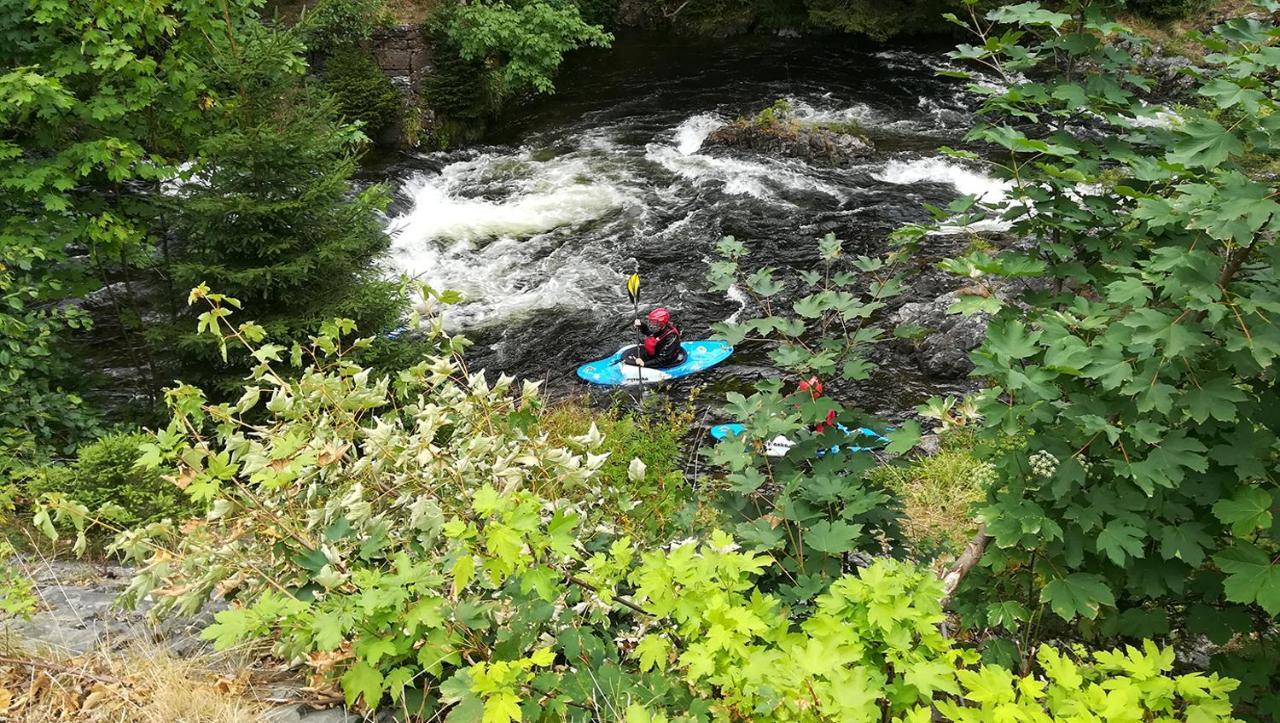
[[659, 318]]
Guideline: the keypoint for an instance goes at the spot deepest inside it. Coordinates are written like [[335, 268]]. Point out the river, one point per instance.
[[540, 227]]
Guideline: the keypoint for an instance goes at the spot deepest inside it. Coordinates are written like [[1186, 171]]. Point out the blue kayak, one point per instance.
[[779, 445], [699, 356]]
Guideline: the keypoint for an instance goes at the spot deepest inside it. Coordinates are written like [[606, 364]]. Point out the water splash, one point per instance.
[[966, 181], [738, 296], [770, 181], [828, 110], [498, 229], [538, 197], [691, 133]]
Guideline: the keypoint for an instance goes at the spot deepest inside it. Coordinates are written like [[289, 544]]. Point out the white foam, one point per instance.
[[1153, 117], [939, 170], [859, 113], [691, 133], [438, 215], [503, 250], [740, 177], [737, 295], [183, 178], [989, 192]]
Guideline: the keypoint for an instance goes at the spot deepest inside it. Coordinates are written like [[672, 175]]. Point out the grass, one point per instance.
[[654, 509], [142, 683], [938, 494], [1171, 36]]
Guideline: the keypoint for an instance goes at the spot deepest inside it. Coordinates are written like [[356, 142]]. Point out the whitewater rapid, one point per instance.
[[509, 231], [614, 176]]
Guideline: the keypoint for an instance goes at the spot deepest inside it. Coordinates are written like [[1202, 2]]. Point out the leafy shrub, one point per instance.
[[40, 417], [813, 508], [17, 590], [364, 93], [334, 24], [105, 473], [779, 112], [398, 546], [651, 507], [272, 215], [1142, 379], [525, 39], [463, 94]]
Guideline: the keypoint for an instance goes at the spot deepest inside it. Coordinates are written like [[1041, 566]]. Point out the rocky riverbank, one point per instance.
[[80, 657]]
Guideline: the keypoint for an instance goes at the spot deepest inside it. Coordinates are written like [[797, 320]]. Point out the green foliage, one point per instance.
[[1168, 9], [268, 215], [335, 24], [17, 590], [96, 102], [525, 39], [398, 546], [463, 94], [363, 92], [814, 507], [1144, 379], [651, 505], [39, 416], [102, 106], [778, 113], [104, 473]]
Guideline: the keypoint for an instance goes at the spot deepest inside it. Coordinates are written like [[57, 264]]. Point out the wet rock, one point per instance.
[[1167, 68], [79, 613], [105, 297], [929, 445], [1170, 73], [944, 351], [814, 144], [401, 50]]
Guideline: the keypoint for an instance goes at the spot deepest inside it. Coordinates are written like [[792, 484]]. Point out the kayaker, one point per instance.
[[813, 386], [661, 346]]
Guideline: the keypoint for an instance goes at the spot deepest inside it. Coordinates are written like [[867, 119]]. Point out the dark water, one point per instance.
[[609, 176]]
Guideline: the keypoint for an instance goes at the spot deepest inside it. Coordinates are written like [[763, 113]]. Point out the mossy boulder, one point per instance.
[[776, 131]]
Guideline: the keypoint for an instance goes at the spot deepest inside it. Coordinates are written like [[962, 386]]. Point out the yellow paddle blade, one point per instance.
[[633, 288]]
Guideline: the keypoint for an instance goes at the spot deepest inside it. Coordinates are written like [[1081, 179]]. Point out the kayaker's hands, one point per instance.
[[639, 362], [638, 323]]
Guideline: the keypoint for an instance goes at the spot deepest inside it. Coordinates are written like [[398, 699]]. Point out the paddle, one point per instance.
[[633, 290]]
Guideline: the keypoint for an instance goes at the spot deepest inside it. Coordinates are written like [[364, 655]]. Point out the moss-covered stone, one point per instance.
[[776, 131]]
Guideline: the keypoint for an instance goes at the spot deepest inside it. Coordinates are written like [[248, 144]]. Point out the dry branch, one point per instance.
[[967, 560]]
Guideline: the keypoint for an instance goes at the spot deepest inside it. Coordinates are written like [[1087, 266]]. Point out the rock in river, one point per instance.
[[815, 144], [944, 352]]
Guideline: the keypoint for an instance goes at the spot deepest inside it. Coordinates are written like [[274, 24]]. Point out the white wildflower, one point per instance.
[[635, 471], [1043, 464]]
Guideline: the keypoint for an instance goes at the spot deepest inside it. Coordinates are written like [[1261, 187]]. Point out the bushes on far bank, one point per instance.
[[363, 92], [1169, 9], [104, 472]]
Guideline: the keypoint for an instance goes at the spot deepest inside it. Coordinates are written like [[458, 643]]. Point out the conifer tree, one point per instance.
[[269, 215]]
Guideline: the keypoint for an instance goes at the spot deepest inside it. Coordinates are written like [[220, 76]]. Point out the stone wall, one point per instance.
[[402, 52]]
